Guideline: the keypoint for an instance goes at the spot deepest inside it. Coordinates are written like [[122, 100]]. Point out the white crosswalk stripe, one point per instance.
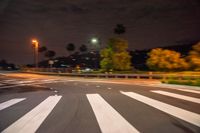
[[109, 120], [10, 103], [186, 90], [31, 121], [187, 98], [185, 115], [177, 87]]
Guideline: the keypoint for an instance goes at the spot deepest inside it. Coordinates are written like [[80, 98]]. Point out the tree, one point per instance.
[[3, 64], [115, 56], [118, 44], [106, 62], [70, 47], [83, 48], [121, 61], [119, 29], [121, 58], [194, 57], [166, 60], [42, 49], [50, 54]]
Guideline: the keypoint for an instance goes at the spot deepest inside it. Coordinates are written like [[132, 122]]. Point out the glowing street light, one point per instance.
[[96, 45], [94, 40], [35, 44]]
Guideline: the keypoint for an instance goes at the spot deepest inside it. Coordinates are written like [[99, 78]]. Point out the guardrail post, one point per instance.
[[164, 77], [150, 75], [179, 77]]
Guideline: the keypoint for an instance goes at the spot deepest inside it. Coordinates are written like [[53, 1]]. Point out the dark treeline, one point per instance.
[[90, 59]]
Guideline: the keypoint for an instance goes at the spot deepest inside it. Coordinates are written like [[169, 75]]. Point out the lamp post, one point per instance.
[[35, 44], [96, 44]]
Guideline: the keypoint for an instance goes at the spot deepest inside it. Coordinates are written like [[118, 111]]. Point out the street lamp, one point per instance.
[[94, 40], [96, 45], [35, 44]]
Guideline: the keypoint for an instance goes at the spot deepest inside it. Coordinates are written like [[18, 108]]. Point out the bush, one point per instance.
[[183, 82]]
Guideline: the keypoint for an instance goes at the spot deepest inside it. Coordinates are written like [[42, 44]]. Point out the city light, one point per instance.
[[94, 41], [35, 44]]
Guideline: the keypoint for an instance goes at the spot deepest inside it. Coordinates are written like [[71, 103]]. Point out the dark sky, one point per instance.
[[55, 23]]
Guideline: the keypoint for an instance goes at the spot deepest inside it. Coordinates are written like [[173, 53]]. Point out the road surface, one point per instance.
[[35, 103]]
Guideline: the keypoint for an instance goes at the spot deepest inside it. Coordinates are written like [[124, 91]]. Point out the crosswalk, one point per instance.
[[108, 123], [9, 83], [31, 121], [10, 103], [109, 119], [187, 98]]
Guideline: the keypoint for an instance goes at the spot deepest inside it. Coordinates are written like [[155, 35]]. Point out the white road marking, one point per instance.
[[10, 103], [187, 98], [10, 86], [31, 121], [97, 86], [109, 120], [9, 80], [192, 91], [109, 88], [49, 80], [176, 87], [39, 86], [22, 82], [185, 115], [1, 84]]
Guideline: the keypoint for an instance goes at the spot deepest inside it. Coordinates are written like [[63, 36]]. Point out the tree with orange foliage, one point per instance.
[[194, 57], [166, 60]]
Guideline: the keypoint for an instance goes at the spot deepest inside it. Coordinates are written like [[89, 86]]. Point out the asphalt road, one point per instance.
[[35, 103]]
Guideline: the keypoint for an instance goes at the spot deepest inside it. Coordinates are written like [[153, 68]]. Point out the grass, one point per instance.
[[188, 82]]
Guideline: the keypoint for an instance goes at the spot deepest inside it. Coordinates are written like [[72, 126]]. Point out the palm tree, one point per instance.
[[119, 29], [42, 49], [70, 47], [83, 48], [50, 54]]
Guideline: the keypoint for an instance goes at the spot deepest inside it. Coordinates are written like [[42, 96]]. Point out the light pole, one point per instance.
[[35, 44], [96, 44]]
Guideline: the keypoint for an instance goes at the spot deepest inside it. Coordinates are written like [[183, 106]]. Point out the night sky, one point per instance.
[[55, 23]]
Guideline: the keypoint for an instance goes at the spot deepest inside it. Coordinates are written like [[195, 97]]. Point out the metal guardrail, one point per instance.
[[150, 75]]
